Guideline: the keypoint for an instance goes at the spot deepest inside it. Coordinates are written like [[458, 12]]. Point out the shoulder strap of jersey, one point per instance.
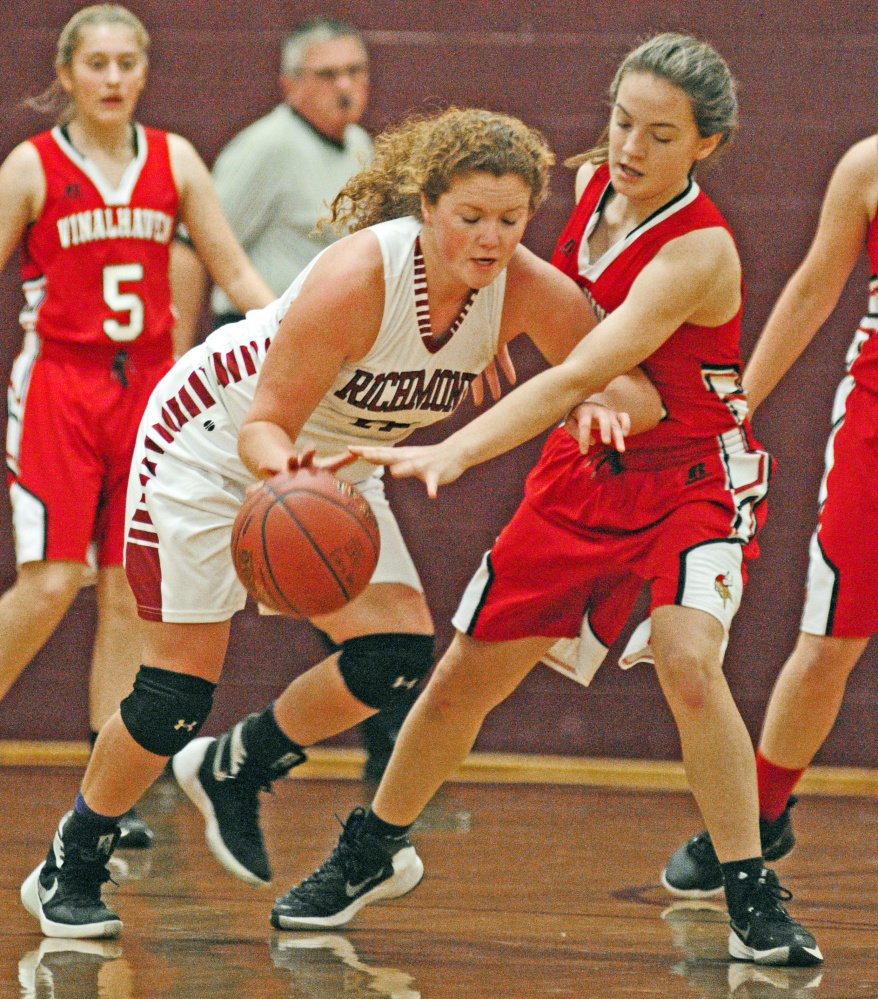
[[45, 144], [157, 143], [566, 254]]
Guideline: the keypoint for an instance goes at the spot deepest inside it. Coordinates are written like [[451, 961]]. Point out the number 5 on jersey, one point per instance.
[[123, 301]]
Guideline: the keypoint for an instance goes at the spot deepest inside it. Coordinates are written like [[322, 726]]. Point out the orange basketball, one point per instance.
[[305, 543]]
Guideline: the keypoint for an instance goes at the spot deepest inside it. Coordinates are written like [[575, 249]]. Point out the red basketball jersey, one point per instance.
[[863, 356], [697, 370], [95, 263]]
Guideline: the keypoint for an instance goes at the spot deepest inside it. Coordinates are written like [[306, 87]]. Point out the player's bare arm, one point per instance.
[[335, 318], [555, 314], [695, 278], [687, 281], [22, 194], [628, 406], [813, 291], [546, 305], [202, 214]]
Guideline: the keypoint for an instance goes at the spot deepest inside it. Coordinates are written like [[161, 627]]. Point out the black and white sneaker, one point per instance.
[[223, 783], [64, 891], [693, 870], [360, 870], [134, 833], [770, 935]]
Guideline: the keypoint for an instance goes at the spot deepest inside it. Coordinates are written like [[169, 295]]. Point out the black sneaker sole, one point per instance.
[[30, 899], [186, 766]]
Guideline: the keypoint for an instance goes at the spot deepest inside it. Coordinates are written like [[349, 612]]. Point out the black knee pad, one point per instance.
[[379, 669], [165, 710]]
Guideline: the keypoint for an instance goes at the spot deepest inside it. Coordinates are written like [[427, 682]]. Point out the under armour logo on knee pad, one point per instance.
[[401, 681], [182, 723]]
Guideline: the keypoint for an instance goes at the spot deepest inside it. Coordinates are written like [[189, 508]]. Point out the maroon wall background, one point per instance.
[[807, 92]]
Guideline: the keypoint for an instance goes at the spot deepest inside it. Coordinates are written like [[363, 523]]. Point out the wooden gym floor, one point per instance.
[[532, 889]]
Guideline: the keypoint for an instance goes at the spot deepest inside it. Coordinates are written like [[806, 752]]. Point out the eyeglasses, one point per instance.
[[330, 74]]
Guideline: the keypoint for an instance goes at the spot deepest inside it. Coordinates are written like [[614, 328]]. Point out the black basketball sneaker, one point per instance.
[[361, 869], [64, 891], [693, 870], [223, 781]]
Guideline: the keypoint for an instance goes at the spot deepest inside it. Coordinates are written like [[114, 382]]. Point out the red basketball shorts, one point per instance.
[[70, 437], [842, 592], [686, 533]]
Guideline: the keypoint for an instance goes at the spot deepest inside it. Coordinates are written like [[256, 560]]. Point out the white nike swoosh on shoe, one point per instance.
[[352, 890], [219, 771], [47, 894]]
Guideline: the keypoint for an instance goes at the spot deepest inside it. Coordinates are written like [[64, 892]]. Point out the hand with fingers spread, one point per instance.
[[492, 377], [306, 459], [435, 465], [594, 420]]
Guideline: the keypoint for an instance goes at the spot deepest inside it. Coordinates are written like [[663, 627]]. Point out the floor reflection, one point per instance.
[[75, 969], [706, 966], [438, 817], [533, 892], [130, 865], [327, 967]]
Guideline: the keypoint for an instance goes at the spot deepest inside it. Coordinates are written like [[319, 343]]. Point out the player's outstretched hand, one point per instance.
[[435, 465], [307, 459], [591, 421], [331, 464], [492, 377]]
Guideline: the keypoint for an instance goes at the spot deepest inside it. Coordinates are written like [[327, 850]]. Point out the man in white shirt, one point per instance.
[[277, 177]]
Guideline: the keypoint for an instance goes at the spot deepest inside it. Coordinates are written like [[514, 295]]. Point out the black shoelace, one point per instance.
[[252, 779], [768, 896], [347, 856], [85, 876]]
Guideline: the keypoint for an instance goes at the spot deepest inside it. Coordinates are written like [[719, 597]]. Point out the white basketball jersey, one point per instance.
[[408, 379]]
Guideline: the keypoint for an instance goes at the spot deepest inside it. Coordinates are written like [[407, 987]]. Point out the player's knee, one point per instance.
[[50, 585], [379, 669], [823, 659], [165, 710], [687, 678], [116, 601]]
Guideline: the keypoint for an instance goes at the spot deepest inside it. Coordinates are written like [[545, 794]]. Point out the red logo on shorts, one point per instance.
[[721, 585]]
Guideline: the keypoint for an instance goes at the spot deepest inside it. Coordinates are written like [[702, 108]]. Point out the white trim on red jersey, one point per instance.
[[592, 271], [120, 195]]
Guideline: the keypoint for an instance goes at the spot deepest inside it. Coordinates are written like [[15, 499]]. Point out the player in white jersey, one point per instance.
[[408, 379], [385, 331]]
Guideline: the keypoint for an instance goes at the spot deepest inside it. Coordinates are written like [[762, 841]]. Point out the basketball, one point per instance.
[[305, 542]]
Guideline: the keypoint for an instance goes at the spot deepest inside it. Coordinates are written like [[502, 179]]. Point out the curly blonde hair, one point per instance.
[[424, 155], [690, 64]]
